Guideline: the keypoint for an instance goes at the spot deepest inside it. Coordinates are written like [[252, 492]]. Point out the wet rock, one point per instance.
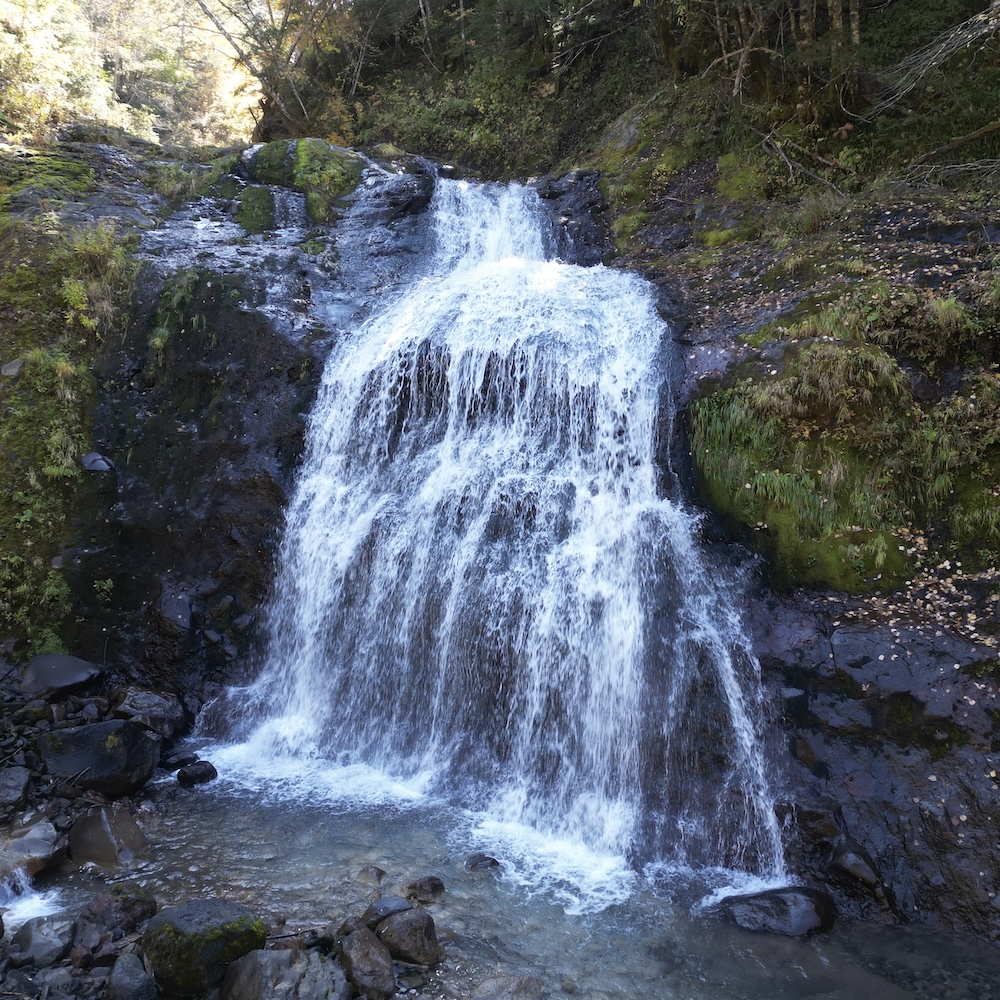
[[428, 889], [123, 907], [793, 912], [509, 988], [45, 940], [410, 936], [114, 758], [285, 975], [382, 908], [106, 836], [371, 874], [172, 615], [197, 773], [178, 759], [368, 965], [163, 713], [481, 863], [130, 981], [32, 845], [94, 461], [55, 673], [189, 946], [578, 207], [851, 859], [13, 787]]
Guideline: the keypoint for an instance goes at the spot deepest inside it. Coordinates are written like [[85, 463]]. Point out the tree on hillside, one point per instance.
[[278, 44]]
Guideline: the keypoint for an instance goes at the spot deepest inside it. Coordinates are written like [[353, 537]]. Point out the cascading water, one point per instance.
[[483, 595]]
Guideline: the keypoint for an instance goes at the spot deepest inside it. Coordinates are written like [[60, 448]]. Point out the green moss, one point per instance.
[[61, 292], [740, 178], [189, 964], [42, 175], [255, 209], [322, 172]]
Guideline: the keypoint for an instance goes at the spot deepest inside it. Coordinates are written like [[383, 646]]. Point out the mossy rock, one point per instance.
[[323, 173], [114, 758], [190, 946], [255, 209]]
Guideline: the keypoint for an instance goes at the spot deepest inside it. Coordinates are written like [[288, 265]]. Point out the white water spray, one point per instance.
[[482, 592]]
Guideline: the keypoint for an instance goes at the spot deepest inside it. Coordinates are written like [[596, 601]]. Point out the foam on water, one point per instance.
[[484, 596]]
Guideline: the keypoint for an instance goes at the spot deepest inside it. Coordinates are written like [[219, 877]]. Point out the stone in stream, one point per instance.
[[509, 988], [286, 974], [368, 965], [382, 908], [121, 908], [107, 837], [791, 911], [197, 773], [32, 845], [190, 946], [411, 936], [481, 863], [428, 889], [114, 758]]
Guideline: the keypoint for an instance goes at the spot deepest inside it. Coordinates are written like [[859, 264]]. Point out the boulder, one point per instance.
[[382, 908], [368, 965], [130, 981], [197, 773], [45, 940], [32, 845], [106, 836], [792, 911], [163, 713], [121, 908], [287, 974], [115, 758], [55, 673], [481, 863], [13, 787], [428, 889], [411, 936], [190, 946]]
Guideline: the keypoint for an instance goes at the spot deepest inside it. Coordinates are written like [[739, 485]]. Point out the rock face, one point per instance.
[[114, 758], [32, 845], [578, 206], [890, 769], [190, 946]]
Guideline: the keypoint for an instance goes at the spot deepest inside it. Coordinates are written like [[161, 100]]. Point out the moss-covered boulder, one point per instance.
[[323, 173], [190, 946], [114, 758]]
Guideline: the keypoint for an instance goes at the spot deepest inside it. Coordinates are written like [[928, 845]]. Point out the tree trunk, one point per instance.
[[836, 11]]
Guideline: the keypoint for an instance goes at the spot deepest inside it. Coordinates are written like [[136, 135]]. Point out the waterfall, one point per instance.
[[483, 591]]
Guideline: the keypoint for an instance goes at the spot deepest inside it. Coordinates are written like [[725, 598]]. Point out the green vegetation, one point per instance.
[[324, 173], [833, 463], [61, 292]]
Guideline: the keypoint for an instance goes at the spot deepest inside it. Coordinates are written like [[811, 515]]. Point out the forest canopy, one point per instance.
[[502, 84]]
